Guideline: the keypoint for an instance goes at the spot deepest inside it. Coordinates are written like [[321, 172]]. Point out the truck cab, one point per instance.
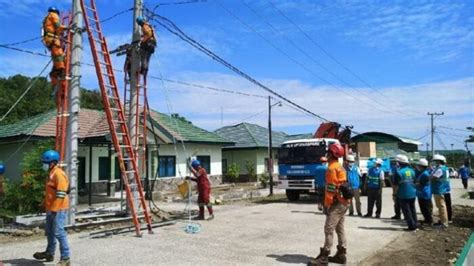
[[297, 163]]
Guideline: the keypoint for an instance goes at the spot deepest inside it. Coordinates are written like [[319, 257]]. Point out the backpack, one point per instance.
[[346, 191]]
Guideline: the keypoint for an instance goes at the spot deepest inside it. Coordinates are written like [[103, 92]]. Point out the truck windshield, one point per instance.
[[301, 153]]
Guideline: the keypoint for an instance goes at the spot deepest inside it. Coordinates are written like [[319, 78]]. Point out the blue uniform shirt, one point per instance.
[[320, 175], [464, 172], [353, 176], [440, 181], [406, 183], [423, 188], [375, 177]]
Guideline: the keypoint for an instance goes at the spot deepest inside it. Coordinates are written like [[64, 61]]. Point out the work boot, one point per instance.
[[199, 217], [359, 214], [64, 262], [395, 217], [368, 215], [43, 256], [322, 258], [340, 256], [211, 217]]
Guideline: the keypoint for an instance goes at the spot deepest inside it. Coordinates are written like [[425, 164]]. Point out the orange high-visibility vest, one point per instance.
[[335, 176], [52, 25]]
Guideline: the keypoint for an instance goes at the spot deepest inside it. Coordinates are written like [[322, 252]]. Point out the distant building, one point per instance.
[[386, 145], [96, 157], [251, 146]]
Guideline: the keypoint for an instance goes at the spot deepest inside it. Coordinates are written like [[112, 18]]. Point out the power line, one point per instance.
[[179, 3], [116, 15], [371, 100], [456, 129], [286, 54], [32, 82], [320, 47], [21, 42], [172, 28]]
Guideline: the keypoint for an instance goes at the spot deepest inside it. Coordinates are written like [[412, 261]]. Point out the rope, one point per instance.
[[32, 82], [191, 228]]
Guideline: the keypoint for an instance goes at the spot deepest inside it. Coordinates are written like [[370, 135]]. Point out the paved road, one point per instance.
[[266, 234]]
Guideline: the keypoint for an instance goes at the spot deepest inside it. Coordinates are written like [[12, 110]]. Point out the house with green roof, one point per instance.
[[251, 146], [170, 141]]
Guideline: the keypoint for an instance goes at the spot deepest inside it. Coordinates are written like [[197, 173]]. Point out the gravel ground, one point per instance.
[[242, 233]]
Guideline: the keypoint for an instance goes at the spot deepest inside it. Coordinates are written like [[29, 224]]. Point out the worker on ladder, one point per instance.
[[2, 171], [147, 44], [52, 31]]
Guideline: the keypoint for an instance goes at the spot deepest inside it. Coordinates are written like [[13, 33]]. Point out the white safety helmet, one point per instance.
[[402, 159], [350, 158], [379, 161], [439, 157], [423, 162]]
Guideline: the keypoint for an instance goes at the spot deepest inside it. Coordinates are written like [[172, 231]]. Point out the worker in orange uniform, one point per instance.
[[56, 203], [336, 206], [204, 189], [52, 31], [147, 44]]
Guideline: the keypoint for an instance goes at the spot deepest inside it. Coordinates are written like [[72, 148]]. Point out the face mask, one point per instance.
[[351, 164], [45, 167]]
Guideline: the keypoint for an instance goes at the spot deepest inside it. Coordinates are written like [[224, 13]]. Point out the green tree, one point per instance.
[[26, 196], [39, 99]]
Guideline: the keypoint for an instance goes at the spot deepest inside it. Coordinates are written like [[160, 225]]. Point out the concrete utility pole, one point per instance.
[[133, 122], [433, 116], [270, 160], [74, 106], [135, 65]]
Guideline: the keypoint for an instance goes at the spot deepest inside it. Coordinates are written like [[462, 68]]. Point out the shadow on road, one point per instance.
[[311, 212], [291, 258], [22, 261], [381, 228]]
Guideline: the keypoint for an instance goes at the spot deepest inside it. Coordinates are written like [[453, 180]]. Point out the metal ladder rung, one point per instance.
[[119, 121], [129, 171], [89, 8], [97, 40], [124, 146], [115, 109], [91, 18], [104, 63]]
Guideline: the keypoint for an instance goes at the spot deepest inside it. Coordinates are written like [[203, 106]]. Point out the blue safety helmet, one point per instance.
[[50, 156], [140, 20], [53, 9], [2, 168], [196, 163]]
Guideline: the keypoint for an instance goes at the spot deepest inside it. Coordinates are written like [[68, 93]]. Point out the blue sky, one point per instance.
[[417, 57]]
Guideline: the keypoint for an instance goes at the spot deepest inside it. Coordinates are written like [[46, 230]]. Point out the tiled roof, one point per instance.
[[185, 131], [246, 135], [92, 123]]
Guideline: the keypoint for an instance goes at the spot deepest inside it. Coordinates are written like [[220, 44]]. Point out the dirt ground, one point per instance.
[[420, 248]]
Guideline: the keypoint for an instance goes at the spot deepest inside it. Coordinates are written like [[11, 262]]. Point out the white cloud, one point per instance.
[[203, 107]]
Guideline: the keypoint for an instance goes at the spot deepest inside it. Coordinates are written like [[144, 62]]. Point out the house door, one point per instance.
[[81, 173]]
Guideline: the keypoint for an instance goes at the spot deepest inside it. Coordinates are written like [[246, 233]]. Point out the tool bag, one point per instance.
[[346, 191]]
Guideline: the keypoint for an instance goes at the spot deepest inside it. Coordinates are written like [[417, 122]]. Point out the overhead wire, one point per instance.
[[370, 99], [172, 28], [28, 88], [322, 49]]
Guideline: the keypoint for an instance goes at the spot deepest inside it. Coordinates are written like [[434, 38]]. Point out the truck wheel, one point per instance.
[[293, 195]]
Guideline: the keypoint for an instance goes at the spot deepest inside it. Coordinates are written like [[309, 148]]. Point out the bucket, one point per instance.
[[183, 188]]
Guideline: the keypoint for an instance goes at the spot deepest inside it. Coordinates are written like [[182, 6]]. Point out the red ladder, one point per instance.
[[62, 101], [116, 117]]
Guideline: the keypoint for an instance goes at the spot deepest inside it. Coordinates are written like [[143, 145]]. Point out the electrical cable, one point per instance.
[[32, 82], [167, 24], [320, 47], [456, 129], [370, 99], [20, 42]]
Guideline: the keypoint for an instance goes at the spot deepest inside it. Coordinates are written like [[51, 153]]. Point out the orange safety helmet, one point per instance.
[[336, 150]]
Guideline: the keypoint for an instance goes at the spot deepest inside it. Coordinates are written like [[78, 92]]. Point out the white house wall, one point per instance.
[[256, 156], [214, 151], [83, 151]]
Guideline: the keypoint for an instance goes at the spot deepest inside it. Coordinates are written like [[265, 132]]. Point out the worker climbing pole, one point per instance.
[[53, 38], [116, 117], [62, 90]]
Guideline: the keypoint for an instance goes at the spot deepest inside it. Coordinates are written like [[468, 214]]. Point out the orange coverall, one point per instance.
[[53, 29]]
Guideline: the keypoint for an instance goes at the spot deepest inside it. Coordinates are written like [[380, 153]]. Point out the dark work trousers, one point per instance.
[[396, 206], [409, 211], [464, 183], [447, 199], [374, 196], [426, 207]]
